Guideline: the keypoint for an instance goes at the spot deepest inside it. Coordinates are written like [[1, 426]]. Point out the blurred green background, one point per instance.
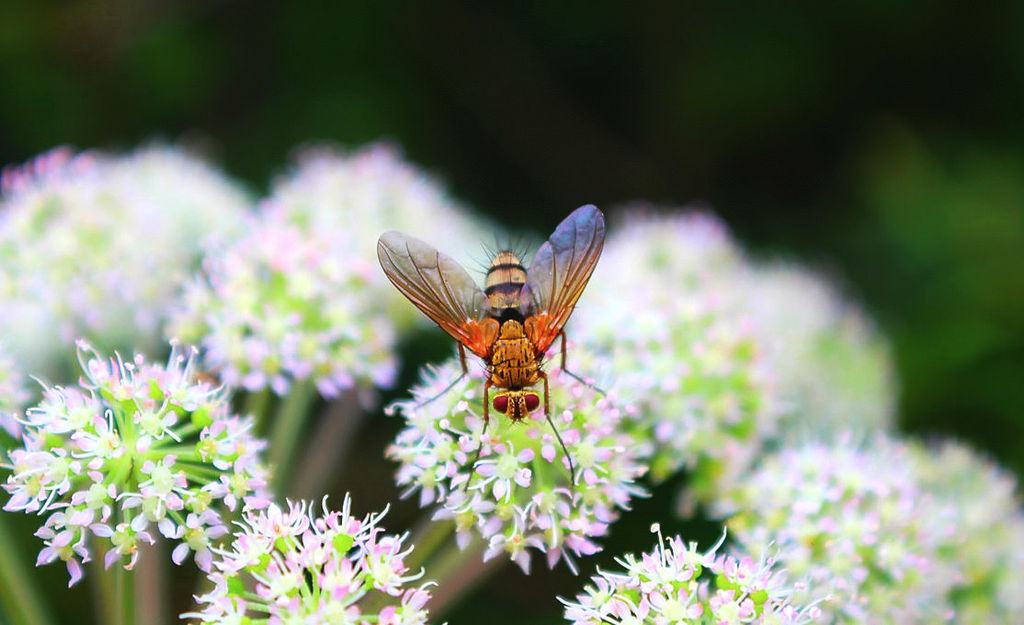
[[881, 141]]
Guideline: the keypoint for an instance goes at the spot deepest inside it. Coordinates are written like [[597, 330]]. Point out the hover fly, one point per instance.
[[514, 320]]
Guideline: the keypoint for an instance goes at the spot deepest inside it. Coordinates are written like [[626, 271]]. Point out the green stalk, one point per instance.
[[18, 592], [103, 590], [124, 596], [328, 447], [426, 539], [285, 431], [457, 571], [256, 404], [151, 584]]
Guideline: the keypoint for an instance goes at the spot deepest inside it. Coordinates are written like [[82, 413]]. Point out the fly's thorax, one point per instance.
[[505, 279], [513, 363]]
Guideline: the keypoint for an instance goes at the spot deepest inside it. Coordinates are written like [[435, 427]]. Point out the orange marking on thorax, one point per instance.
[[513, 362]]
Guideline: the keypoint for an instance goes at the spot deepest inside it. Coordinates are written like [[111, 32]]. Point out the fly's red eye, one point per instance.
[[532, 401], [501, 403]]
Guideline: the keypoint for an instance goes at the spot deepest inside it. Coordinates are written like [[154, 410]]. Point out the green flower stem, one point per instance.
[[187, 430], [426, 538], [285, 431], [124, 595], [257, 405], [328, 447], [457, 571], [102, 582], [151, 584], [18, 593]]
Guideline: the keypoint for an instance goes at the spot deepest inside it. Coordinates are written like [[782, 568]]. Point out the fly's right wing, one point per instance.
[[559, 272], [440, 288]]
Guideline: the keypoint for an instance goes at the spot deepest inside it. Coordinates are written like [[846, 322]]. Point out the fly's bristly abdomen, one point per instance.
[[505, 279]]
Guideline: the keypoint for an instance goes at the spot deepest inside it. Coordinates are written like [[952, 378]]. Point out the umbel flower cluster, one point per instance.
[[659, 309], [300, 295], [361, 194], [676, 584], [282, 305], [135, 448], [291, 565], [832, 371], [987, 548], [519, 499], [859, 525], [96, 245]]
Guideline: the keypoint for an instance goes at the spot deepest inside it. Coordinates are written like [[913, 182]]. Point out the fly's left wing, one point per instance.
[[439, 287], [559, 272]]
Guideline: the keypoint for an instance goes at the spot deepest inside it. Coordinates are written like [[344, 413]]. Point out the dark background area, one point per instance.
[[880, 141]]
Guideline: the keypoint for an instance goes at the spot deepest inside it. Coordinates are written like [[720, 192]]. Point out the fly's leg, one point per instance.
[[487, 421], [547, 415], [465, 372], [570, 373]]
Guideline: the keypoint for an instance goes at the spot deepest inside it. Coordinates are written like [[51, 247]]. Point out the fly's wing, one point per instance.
[[439, 287], [559, 272]]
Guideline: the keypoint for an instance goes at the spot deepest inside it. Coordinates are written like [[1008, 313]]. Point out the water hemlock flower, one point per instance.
[[987, 544], [519, 499], [360, 194], [283, 304], [857, 523], [291, 565], [832, 370], [98, 245], [135, 448], [676, 584], [658, 307]]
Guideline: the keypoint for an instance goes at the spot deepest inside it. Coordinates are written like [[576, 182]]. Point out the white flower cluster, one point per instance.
[[859, 525], [300, 295], [832, 369], [364, 193], [986, 547], [294, 566], [281, 305], [98, 245], [519, 499], [659, 307], [676, 584], [134, 447]]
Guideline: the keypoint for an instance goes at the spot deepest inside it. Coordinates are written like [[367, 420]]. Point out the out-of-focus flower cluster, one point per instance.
[[519, 498], [282, 305], [832, 370], [97, 245], [14, 395], [292, 566], [858, 524], [135, 447], [300, 296], [675, 583], [659, 306], [362, 194], [987, 543], [725, 357]]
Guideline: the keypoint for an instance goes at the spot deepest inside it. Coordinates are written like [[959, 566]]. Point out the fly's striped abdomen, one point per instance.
[[505, 280]]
